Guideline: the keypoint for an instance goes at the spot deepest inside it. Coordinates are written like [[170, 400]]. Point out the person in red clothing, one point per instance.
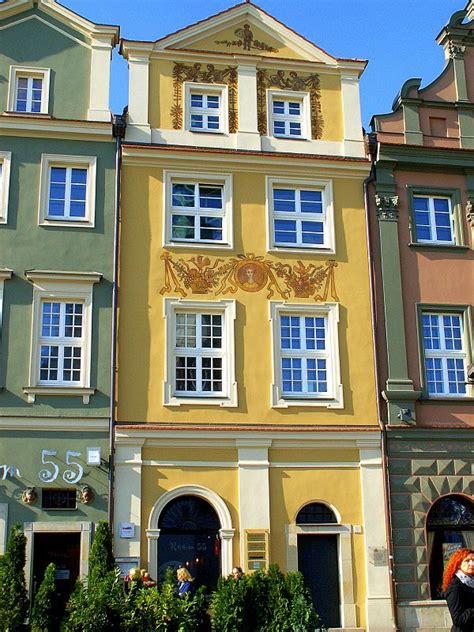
[[458, 586]]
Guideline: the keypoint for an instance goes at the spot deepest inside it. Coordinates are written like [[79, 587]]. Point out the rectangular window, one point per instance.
[[5, 161], [288, 114], [206, 107], [199, 209], [301, 215], [28, 90], [61, 333], [67, 190], [56, 498], [61, 343], [200, 362], [434, 222], [306, 356], [444, 350]]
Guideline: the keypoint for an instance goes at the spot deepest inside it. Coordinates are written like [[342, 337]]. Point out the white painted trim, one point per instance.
[[222, 112], [352, 119], [64, 424], [226, 531], [29, 71], [194, 178], [290, 95], [247, 95], [128, 498], [85, 530], [328, 203], [233, 464], [3, 527], [5, 162], [345, 562], [5, 274], [69, 161], [334, 397], [378, 608], [29, 125], [100, 79], [139, 95], [61, 287], [264, 21], [225, 307]]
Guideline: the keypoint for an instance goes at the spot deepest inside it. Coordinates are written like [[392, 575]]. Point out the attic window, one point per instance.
[[206, 107], [28, 90], [438, 126]]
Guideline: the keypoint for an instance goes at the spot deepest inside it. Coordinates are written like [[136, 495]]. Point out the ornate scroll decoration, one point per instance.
[[209, 74], [292, 81], [247, 41], [456, 51], [386, 207], [251, 273], [470, 212]]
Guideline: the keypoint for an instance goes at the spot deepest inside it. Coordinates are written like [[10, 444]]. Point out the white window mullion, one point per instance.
[[67, 194]]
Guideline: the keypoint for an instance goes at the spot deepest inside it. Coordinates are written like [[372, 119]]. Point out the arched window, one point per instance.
[[189, 536], [316, 513], [449, 526]]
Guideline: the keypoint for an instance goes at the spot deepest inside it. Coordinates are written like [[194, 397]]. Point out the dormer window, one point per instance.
[[288, 115], [28, 90], [206, 108]]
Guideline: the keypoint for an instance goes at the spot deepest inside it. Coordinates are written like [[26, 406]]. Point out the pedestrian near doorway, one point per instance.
[[458, 585]]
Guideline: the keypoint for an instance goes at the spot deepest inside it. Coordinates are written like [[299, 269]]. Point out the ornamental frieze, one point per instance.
[[250, 273], [246, 41], [208, 74], [290, 81], [470, 212]]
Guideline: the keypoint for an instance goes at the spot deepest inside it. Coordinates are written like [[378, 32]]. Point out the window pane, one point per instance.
[[210, 196], [72, 364], [49, 356], [186, 330], [211, 332], [285, 232], [295, 129], [278, 128], [431, 338], [311, 201], [292, 375], [294, 108], [284, 200], [50, 320], [211, 228], [196, 100], [185, 374], [182, 227], [213, 122], [213, 101], [313, 232], [196, 121], [278, 107], [183, 195]]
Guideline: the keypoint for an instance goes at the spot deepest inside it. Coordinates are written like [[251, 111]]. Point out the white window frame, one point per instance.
[[289, 95], [443, 353], [5, 162], [224, 180], [211, 89], [30, 72], [82, 162], [432, 224], [228, 399], [325, 186], [61, 287], [334, 397]]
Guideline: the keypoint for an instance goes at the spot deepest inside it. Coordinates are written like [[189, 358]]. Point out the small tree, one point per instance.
[[13, 595], [101, 558], [43, 616]]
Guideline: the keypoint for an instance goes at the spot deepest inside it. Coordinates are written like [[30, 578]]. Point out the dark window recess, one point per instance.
[[316, 513], [52, 498]]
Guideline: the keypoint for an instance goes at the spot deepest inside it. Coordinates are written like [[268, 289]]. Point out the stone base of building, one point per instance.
[[423, 616]]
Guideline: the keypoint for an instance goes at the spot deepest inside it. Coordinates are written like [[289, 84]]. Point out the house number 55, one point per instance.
[[50, 474]]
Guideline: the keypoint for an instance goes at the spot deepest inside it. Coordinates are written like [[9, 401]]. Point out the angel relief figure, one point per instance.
[[246, 35]]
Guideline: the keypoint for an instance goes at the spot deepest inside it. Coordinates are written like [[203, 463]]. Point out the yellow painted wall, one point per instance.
[[142, 334], [162, 96]]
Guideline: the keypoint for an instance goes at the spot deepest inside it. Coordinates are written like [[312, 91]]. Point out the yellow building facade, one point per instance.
[[247, 429]]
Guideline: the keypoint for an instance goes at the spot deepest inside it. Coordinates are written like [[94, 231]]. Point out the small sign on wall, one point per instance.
[[127, 530]]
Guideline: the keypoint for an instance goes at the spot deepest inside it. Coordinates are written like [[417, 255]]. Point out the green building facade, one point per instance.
[[57, 209]]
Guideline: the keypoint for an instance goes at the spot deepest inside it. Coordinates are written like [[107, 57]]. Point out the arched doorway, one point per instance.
[[449, 526], [318, 561], [189, 536]]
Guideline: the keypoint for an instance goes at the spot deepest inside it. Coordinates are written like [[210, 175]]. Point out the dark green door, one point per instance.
[[318, 562]]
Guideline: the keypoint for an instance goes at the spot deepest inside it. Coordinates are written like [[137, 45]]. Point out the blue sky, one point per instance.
[[396, 36]]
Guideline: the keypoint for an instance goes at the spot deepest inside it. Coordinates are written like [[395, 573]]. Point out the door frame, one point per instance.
[[344, 554], [85, 530]]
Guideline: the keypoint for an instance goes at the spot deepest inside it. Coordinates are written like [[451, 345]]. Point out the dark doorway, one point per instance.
[[318, 562], [63, 549], [189, 536]]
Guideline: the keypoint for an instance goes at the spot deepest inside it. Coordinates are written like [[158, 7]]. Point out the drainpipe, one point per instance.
[[119, 125], [372, 149]]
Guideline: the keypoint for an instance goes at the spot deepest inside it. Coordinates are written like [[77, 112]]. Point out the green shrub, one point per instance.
[[231, 605], [43, 616], [13, 595], [101, 558]]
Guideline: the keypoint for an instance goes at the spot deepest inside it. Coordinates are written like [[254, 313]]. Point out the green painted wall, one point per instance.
[[26, 245], [26, 456], [34, 43]]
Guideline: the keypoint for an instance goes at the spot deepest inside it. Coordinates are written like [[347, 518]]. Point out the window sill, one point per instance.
[[314, 250], [434, 247], [207, 131], [44, 115], [314, 403], [222, 402], [63, 223], [202, 245], [299, 138], [58, 391], [445, 399]]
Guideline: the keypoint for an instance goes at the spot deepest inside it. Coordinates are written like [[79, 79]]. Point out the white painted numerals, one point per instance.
[[50, 474]]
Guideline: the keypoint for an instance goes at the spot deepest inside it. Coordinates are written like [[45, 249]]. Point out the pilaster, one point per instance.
[[399, 393], [351, 115], [411, 120], [5, 274], [138, 98], [127, 492], [99, 109], [248, 135]]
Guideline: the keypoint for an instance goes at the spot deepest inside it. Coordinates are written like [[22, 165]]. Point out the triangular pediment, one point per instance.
[[248, 30]]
